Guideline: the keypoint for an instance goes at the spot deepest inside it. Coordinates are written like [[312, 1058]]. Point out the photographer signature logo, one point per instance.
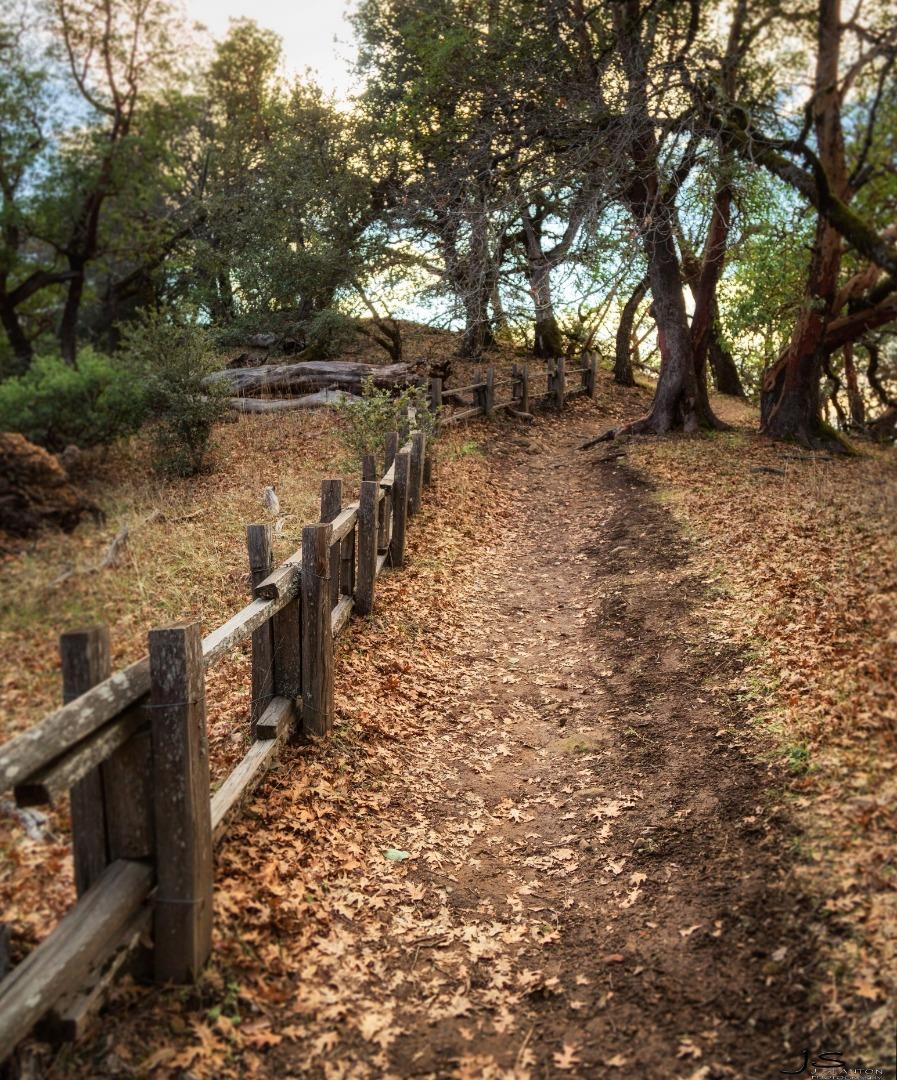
[[830, 1060]]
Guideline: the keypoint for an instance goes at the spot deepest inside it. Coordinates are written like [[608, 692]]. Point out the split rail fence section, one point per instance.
[[130, 747], [479, 398]]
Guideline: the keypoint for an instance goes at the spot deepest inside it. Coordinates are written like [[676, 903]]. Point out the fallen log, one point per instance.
[[307, 401], [310, 375]]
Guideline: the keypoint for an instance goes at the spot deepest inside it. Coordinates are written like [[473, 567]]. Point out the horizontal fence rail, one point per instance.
[[478, 399], [130, 747]]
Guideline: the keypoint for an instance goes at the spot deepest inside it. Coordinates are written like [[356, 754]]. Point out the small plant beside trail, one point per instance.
[[366, 421], [172, 358]]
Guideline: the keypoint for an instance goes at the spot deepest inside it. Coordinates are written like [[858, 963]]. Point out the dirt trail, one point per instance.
[[596, 880]]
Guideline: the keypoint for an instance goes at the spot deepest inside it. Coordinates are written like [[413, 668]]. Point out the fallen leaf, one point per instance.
[[566, 1058]]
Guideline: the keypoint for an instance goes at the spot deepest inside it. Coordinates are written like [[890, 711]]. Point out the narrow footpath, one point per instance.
[[542, 842]]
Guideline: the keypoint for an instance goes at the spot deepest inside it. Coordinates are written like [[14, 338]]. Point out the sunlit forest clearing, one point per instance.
[[496, 465]]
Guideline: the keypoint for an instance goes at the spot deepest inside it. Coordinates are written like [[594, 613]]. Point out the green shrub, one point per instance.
[[367, 421], [329, 333], [172, 358], [54, 404]]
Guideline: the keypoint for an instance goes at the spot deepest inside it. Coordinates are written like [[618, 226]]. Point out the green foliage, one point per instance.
[[365, 423], [330, 332], [172, 358], [798, 757], [287, 194], [55, 404]]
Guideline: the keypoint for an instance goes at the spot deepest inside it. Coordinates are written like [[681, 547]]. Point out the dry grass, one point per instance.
[[188, 563]]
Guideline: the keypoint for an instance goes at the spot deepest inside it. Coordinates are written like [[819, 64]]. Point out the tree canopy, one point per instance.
[[704, 191]]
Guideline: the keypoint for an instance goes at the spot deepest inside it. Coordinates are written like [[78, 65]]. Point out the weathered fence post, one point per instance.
[[261, 562], [367, 547], [85, 662], [399, 507], [286, 639], [524, 389], [592, 375], [369, 467], [489, 392], [479, 391], [404, 428], [183, 904], [317, 631], [391, 448], [428, 463], [389, 456], [416, 475], [435, 395], [331, 504], [560, 383]]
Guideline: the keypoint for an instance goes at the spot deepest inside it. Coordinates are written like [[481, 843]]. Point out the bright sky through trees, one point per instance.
[[315, 34]]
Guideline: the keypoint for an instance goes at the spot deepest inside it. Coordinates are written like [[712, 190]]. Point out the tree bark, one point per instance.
[[854, 397], [680, 401], [68, 326], [623, 354], [790, 400], [22, 350], [722, 364], [478, 335], [548, 341]]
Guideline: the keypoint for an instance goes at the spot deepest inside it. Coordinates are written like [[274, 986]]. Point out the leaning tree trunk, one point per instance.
[[548, 341], [623, 354], [854, 395], [725, 374], [68, 325], [22, 350], [680, 400], [790, 399]]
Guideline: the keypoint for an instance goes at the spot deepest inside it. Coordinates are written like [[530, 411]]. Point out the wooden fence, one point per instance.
[[130, 747], [479, 398]]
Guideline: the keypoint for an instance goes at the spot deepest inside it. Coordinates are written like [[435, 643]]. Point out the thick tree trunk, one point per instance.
[[548, 341], [725, 374], [790, 400], [680, 400], [854, 397], [68, 326], [623, 353], [704, 321], [22, 350], [310, 375], [478, 335]]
